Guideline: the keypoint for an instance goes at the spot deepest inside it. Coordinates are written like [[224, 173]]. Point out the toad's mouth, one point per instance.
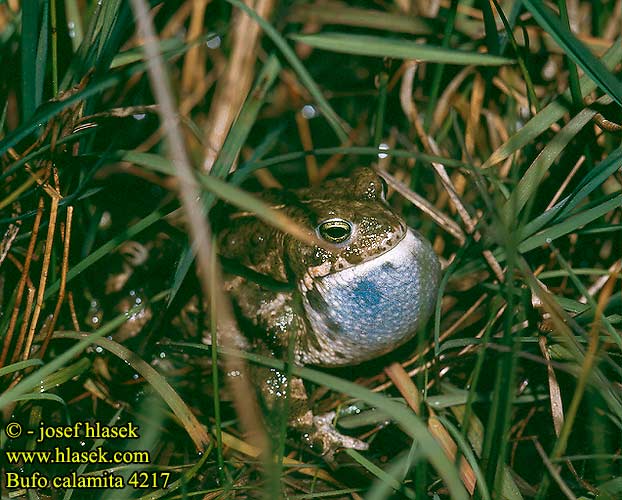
[[371, 308], [341, 264]]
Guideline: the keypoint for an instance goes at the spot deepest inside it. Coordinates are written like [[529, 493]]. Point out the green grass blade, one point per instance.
[[53, 108], [20, 365], [84, 51], [383, 476], [520, 59], [42, 51], [571, 224], [595, 178], [376, 46], [97, 442], [340, 128], [573, 74], [440, 68], [531, 179], [30, 35], [64, 374], [490, 29], [466, 450], [551, 113], [105, 249], [247, 118], [36, 396], [592, 181], [228, 192], [578, 52], [585, 293], [110, 15], [34, 379], [156, 381], [74, 23], [181, 271]]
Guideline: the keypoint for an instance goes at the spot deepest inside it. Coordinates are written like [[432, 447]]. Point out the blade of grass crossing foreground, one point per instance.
[[340, 128], [228, 192], [52, 108], [578, 52], [109, 16], [182, 481], [274, 478], [54, 29], [490, 28], [96, 443], [242, 174], [84, 52], [230, 150], [500, 415], [215, 373], [341, 13], [383, 80], [475, 435]]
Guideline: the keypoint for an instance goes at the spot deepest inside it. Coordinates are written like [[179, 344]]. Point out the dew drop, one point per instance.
[[309, 111], [214, 43], [383, 147]]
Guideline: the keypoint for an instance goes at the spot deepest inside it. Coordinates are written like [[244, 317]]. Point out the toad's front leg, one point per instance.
[[318, 431], [279, 321]]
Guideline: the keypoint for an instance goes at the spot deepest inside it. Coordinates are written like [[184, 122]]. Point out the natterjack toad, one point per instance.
[[347, 306], [361, 300]]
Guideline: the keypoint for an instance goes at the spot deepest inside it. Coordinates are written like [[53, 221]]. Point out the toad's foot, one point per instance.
[[325, 436]]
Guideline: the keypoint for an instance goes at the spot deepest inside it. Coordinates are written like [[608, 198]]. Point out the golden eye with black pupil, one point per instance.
[[335, 230]]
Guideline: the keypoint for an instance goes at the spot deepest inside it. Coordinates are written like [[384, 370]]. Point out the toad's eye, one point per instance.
[[335, 230]]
